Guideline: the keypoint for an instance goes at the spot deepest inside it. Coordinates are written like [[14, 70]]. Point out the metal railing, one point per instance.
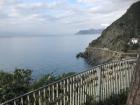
[[99, 82]]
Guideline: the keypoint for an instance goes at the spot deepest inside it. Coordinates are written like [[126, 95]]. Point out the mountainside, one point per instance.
[[89, 31], [123, 35], [119, 33]]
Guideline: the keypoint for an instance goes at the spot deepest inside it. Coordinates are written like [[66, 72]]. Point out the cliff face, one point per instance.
[[117, 36], [119, 33]]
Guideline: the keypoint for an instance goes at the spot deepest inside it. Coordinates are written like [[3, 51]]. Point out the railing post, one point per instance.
[[21, 101], [34, 96], [70, 83], [39, 94], [28, 100], [81, 90], [67, 92], [15, 102], [73, 89], [99, 83], [44, 93], [53, 93], [49, 94], [64, 92], [61, 88], [57, 96]]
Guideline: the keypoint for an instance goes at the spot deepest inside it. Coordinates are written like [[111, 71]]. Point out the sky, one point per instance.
[[44, 17]]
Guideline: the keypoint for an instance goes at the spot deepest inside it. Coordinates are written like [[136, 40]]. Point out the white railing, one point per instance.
[[99, 82]]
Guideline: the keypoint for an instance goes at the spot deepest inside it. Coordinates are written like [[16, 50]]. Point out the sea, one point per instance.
[[44, 54]]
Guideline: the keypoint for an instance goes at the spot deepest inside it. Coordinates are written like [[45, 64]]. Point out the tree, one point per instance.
[[14, 84], [20, 81]]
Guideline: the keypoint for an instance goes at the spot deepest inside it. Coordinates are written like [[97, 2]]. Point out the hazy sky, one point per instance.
[[58, 16]]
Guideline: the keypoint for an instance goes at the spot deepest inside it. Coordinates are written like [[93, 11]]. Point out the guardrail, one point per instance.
[[100, 82]]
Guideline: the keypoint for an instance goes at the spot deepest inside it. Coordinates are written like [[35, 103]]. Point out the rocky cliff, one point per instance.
[[120, 32], [118, 35]]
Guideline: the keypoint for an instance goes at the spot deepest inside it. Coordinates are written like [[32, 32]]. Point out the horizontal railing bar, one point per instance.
[[66, 78]]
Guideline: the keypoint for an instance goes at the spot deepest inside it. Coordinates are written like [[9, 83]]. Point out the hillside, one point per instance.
[[120, 32], [117, 37]]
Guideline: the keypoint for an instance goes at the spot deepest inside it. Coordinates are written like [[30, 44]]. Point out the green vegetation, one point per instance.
[[134, 47], [114, 99], [14, 84], [20, 81], [49, 78]]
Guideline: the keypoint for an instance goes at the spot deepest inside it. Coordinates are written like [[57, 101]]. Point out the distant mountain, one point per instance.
[[89, 31]]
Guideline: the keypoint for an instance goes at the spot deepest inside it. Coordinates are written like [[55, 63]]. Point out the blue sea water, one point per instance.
[[44, 54]]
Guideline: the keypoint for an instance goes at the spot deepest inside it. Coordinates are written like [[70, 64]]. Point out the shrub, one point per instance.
[[114, 99], [14, 84]]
